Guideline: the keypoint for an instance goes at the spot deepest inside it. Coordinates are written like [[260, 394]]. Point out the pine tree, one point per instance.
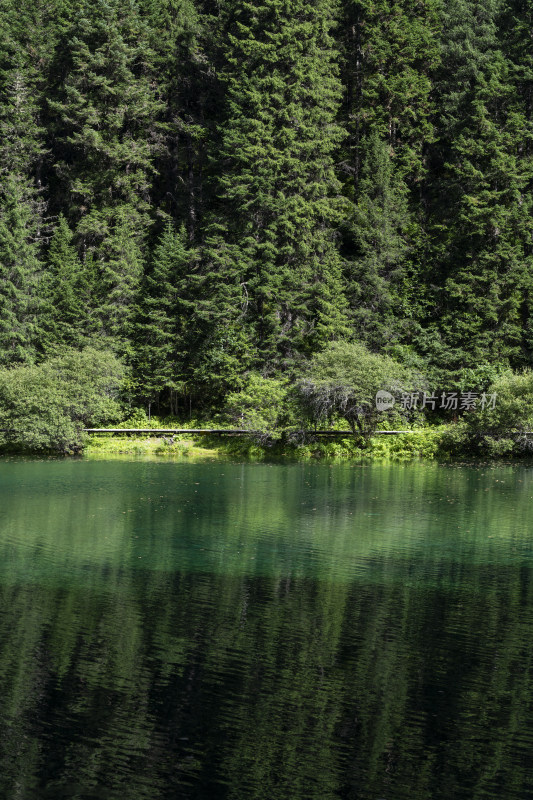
[[220, 346], [389, 54], [379, 229], [20, 269], [483, 223], [182, 41], [104, 119], [271, 238], [390, 51], [516, 23], [160, 329], [66, 293], [21, 211]]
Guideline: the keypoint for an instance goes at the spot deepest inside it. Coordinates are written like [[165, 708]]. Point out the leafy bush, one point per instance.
[[416, 444], [499, 431], [138, 418], [46, 407], [343, 381], [264, 404]]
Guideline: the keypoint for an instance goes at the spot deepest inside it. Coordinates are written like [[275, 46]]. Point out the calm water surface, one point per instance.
[[219, 630]]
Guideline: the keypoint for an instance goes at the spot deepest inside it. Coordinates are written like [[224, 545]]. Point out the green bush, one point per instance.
[[45, 407], [499, 431], [264, 404], [138, 418], [342, 381], [416, 444]]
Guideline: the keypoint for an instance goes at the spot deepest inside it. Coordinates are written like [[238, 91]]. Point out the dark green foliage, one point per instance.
[[503, 426], [390, 51], [485, 225], [46, 407], [379, 228], [21, 219], [160, 332], [220, 348], [19, 270], [358, 170], [103, 114], [66, 294], [275, 177], [263, 404]]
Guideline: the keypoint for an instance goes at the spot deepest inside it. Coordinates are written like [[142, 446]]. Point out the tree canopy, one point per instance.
[[213, 190]]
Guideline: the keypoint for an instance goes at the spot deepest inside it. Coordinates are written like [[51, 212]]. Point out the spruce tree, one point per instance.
[[271, 243], [390, 50], [379, 229], [389, 54], [21, 212], [182, 42], [162, 314], [66, 294], [103, 114], [515, 24], [482, 224]]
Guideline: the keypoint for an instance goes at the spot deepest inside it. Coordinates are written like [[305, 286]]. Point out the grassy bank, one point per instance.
[[103, 446], [423, 443]]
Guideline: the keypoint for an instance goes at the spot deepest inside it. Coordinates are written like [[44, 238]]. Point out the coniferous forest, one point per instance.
[[214, 190]]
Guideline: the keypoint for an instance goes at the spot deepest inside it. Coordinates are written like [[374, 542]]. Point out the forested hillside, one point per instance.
[[217, 189]]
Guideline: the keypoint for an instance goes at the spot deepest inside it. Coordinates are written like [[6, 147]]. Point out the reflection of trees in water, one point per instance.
[[259, 688], [411, 681]]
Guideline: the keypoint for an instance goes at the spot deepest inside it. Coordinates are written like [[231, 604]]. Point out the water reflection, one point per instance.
[[252, 631]]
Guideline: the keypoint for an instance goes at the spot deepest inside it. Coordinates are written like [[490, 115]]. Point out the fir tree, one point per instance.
[[516, 23], [389, 53], [161, 321], [272, 237], [189, 86], [484, 225], [66, 294], [103, 115], [379, 229], [21, 210]]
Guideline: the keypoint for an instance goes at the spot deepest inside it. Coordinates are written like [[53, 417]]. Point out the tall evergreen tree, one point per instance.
[[516, 23], [271, 241], [104, 114], [21, 211], [181, 40], [66, 294], [389, 53], [379, 228], [160, 330], [483, 224]]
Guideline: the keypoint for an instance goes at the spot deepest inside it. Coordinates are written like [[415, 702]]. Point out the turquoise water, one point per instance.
[[222, 630]]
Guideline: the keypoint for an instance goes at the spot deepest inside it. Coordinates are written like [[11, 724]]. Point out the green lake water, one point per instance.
[[287, 631]]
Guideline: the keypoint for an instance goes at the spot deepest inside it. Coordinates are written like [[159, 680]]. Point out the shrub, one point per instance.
[[343, 381], [45, 407], [499, 431], [264, 404]]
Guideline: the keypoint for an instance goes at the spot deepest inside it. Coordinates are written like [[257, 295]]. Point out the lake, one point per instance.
[[269, 631]]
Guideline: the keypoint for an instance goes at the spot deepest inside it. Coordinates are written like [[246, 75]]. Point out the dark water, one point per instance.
[[175, 630]]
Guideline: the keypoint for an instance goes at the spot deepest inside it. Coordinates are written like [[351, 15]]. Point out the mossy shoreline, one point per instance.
[[440, 443], [423, 443]]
